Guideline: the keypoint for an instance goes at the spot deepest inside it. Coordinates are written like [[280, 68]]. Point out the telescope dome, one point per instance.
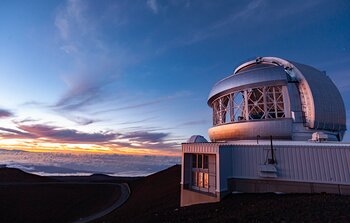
[[270, 96], [197, 139]]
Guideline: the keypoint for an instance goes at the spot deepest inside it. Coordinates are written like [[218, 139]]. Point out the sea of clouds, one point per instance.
[[62, 164]]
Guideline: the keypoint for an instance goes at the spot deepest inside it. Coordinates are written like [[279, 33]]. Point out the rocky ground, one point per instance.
[[156, 199]]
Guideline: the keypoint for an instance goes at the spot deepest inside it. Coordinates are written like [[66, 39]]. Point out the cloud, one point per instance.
[[176, 95], [33, 104], [128, 165], [245, 15], [5, 113], [56, 134], [152, 4], [133, 106], [144, 136], [197, 122], [15, 134], [26, 120], [70, 17], [147, 140], [95, 66], [112, 140], [137, 121], [81, 120]]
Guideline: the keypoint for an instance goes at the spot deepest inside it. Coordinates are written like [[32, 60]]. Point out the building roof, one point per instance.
[[249, 78]]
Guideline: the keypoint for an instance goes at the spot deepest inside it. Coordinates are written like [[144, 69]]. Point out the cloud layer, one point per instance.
[[53, 134], [5, 113]]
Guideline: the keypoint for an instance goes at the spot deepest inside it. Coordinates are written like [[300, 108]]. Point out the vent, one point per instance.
[[319, 137]]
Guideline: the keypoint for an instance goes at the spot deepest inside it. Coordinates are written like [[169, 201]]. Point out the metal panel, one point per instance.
[[212, 174], [305, 163], [330, 111], [209, 148], [225, 168], [280, 128], [248, 79], [186, 174]]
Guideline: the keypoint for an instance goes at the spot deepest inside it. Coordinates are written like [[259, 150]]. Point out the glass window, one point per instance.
[[206, 160], [194, 161], [206, 180], [200, 168], [249, 104], [200, 179], [194, 178], [200, 161]]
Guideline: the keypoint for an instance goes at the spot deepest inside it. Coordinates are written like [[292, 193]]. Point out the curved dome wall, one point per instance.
[[329, 109], [274, 97]]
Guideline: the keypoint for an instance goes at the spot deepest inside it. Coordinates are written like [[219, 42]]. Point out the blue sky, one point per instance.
[[132, 77]]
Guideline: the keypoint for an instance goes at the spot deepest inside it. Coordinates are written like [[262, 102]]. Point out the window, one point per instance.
[[194, 179], [200, 179], [200, 169], [258, 103], [194, 161], [200, 161], [206, 180], [206, 161]]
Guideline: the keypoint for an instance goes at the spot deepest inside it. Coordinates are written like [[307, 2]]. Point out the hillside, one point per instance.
[[15, 175], [29, 198], [157, 192]]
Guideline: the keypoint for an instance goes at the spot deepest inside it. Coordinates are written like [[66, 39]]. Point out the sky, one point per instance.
[[132, 77]]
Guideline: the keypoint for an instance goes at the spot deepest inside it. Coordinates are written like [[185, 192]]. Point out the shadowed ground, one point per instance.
[[29, 198], [156, 199]]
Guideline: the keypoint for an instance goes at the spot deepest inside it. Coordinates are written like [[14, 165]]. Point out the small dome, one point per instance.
[[196, 138]]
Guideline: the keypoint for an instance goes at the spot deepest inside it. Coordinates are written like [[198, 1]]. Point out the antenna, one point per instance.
[[272, 160]]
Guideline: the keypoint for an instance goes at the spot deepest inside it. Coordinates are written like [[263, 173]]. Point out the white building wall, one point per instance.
[[212, 150], [311, 162], [225, 156]]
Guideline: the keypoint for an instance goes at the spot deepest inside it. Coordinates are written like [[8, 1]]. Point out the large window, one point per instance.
[[200, 176], [249, 104]]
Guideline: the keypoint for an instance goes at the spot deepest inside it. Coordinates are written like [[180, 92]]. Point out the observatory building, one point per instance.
[[277, 127]]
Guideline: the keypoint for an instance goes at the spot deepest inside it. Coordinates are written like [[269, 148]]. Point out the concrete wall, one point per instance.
[[190, 197], [262, 186]]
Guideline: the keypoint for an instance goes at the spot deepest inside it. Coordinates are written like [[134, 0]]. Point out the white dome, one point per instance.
[[196, 138]]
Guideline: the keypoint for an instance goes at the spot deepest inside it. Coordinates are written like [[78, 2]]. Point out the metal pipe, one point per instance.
[[272, 161]]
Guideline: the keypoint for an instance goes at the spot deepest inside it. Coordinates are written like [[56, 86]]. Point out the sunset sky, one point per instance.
[[132, 77]]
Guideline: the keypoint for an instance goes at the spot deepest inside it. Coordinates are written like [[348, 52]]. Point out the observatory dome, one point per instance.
[[270, 96], [196, 139]]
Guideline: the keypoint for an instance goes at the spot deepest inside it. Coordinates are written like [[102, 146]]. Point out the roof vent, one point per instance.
[[319, 137], [258, 60]]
